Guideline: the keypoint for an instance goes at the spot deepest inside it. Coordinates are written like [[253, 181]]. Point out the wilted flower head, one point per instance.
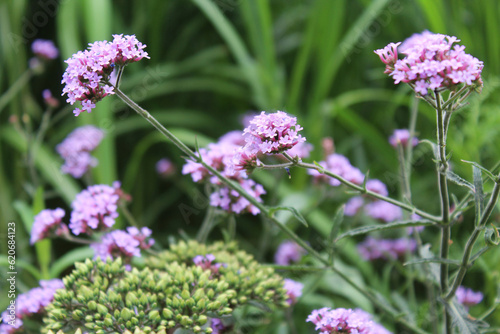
[[87, 78], [293, 290], [373, 249], [348, 321], [433, 61], [44, 49], [288, 252], [47, 223], [76, 147], [468, 297], [272, 133], [401, 137], [95, 208]]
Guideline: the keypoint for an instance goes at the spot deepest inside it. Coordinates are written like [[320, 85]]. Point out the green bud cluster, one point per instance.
[[171, 292]]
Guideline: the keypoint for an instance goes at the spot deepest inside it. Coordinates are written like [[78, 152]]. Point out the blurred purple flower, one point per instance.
[[165, 167], [340, 165], [288, 252], [293, 290], [115, 244], [48, 223], [374, 249], [468, 297], [383, 211], [401, 137], [44, 49]]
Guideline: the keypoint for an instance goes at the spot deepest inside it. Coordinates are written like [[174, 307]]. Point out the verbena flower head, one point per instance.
[[288, 252], [383, 211], [345, 321], [48, 223], [401, 137], [374, 249], [377, 186], [432, 61], [165, 167], [340, 165], [95, 208], [293, 290], [142, 235], [87, 78], [30, 303], [353, 205], [272, 133], [44, 49], [76, 147], [468, 297], [231, 201], [115, 244]]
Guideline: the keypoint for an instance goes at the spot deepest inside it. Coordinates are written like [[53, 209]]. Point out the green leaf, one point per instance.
[[475, 164], [337, 221], [478, 192], [389, 226], [293, 210], [26, 214], [69, 259], [433, 260], [458, 180], [462, 320]]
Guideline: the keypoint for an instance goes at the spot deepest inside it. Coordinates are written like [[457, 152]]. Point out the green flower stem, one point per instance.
[[472, 240], [455, 96], [267, 213], [128, 215], [363, 190], [445, 204], [15, 88]]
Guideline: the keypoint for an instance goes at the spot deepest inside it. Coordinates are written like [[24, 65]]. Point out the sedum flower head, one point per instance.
[[95, 208], [87, 78], [432, 61], [345, 321], [76, 147], [47, 223]]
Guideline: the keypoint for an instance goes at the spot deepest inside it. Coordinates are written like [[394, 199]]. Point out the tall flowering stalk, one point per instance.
[[438, 70]]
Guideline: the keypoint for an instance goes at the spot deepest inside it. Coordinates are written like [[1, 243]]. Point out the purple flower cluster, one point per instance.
[[272, 133], [340, 165], [49, 100], [165, 167], [293, 290], [374, 249], [95, 208], [32, 302], [76, 147], [44, 49], [220, 156], [432, 62], [124, 244], [348, 321], [218, 326], [87, 78], [48, 223], [468, 297], [401, 137], [288, 252], [377, 209]]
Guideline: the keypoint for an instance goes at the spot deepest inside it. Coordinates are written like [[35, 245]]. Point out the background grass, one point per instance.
[[213, 61]]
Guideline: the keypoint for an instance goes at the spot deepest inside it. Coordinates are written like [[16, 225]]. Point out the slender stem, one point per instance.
[[445, 204], [472, 240], [454, 97], [206, 225], [363, 190], [266, 212], [128, 215], [15, 88], [409, 147]]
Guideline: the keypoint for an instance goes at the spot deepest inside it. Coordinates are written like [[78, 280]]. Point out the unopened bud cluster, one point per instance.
[[172, 292]]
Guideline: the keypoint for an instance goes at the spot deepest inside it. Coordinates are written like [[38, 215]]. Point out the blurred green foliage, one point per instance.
[[213, 61]]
